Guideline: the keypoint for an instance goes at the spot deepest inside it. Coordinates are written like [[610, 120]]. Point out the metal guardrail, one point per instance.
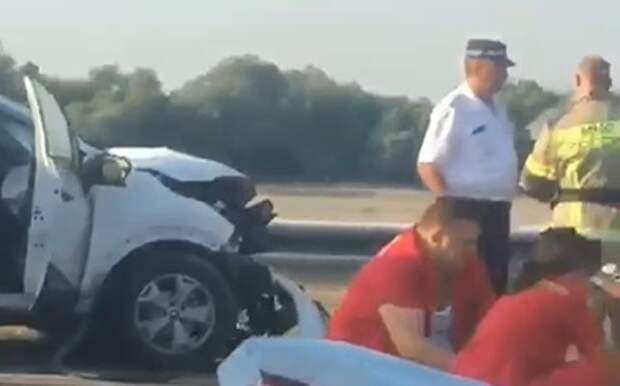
[[344, 238]]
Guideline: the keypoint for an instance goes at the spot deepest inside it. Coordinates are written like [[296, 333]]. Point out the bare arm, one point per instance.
[[431, 177], [406, 329]]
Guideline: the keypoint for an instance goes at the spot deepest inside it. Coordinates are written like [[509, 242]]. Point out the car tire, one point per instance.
[[193, 334]]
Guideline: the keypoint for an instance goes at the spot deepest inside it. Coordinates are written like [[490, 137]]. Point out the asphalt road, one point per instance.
[[19, 379], [25, 360], [25, 357]]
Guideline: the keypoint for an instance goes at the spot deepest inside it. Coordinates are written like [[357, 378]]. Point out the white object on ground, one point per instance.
[[326, 363], [310, 324], [609, 269]]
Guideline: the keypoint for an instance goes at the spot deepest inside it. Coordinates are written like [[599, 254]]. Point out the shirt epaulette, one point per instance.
[[450, 102]]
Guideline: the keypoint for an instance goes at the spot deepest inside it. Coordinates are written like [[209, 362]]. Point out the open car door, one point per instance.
[[52, 147]]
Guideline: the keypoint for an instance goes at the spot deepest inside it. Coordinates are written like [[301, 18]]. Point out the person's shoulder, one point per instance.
[[555, 287], [565, 290], [403, 244], [393, 265], [575, 287], [552, 115], [402, 251], [548, 119], [456, 100]]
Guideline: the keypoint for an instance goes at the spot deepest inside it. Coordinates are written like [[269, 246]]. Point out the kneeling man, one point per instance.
[[434, 265]]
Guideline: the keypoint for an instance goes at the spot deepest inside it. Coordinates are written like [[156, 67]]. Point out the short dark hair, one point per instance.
[[445, 210], [559, 251]]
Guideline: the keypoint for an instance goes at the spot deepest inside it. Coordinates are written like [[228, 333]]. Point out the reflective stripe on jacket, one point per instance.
[[578, 152]]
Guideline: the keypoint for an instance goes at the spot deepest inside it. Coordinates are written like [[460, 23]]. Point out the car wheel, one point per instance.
[[177, 310]]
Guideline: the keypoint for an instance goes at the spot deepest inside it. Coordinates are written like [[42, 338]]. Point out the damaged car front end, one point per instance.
[[226, 190], [230, 196], [152, 248], [269, 304]]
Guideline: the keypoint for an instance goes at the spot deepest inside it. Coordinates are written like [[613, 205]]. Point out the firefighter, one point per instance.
[[575, 165]]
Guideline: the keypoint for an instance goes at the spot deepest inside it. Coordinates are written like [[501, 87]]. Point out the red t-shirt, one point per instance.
[[523, 340], [402, 275]]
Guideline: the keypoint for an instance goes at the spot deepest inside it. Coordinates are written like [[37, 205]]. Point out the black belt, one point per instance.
[[597, 196]]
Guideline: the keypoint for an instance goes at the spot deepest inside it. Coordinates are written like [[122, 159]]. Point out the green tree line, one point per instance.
[[273, 124]]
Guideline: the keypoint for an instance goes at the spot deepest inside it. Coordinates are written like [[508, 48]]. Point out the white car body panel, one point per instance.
[[71, 230], [180, 166], [144, 211], [317, 362], [310, 324]]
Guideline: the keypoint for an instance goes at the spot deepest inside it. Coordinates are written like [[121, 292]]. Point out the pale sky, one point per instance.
[[399, 47]]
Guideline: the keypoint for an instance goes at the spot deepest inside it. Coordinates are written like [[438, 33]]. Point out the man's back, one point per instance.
[[525, 337], [588, 144], [579, 152]]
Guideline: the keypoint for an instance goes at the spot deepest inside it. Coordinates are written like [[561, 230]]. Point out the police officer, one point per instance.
[[468, 152], [575, 164]]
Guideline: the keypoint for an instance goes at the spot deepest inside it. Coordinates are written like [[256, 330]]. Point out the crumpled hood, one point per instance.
[[180, 166]]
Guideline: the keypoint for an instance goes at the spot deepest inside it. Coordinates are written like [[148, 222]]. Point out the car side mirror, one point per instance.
[[105, 169], [115, 170]]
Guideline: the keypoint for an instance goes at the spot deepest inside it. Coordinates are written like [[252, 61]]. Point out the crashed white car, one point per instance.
[[149, 246]]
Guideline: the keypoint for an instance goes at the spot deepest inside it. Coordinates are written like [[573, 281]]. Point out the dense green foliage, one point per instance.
[[273, 124]]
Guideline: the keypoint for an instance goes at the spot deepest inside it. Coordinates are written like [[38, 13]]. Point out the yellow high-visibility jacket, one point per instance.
[[575, 165]]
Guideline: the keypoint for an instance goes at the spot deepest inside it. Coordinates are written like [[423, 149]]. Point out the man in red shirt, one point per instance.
[[390, 304], [524, 339]]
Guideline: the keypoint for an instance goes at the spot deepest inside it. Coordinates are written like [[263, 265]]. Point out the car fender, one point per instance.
[[123, 221], [97, 274]]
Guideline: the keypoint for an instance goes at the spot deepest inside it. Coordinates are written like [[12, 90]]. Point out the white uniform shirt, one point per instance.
[[472, 146]]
